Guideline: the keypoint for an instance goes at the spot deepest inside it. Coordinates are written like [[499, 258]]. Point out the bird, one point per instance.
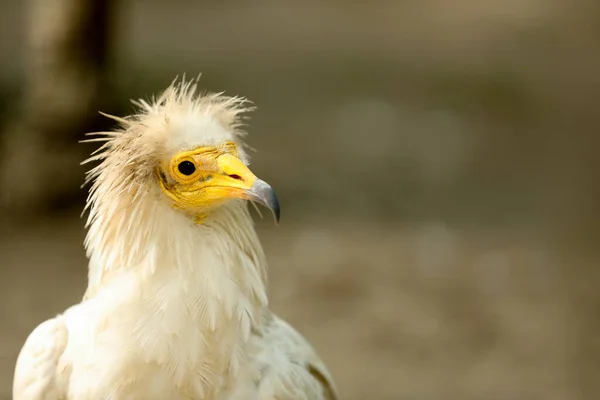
[[176, 302]]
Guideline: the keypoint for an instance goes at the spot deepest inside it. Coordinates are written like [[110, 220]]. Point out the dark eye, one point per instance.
[[186, 167]]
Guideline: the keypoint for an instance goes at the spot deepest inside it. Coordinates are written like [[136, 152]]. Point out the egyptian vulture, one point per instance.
[[176, 305]]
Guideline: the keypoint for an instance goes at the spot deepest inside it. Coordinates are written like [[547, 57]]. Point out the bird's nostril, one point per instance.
[[237, 177]]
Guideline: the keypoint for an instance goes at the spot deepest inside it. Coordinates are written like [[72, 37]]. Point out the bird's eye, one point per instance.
[[186, 167]]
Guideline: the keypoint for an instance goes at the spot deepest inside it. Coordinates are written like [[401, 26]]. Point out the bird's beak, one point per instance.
[[242, 183]]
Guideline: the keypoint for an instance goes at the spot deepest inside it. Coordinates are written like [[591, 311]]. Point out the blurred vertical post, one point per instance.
[[66, 59]]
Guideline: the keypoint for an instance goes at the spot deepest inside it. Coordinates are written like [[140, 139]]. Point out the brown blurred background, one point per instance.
[[436, 161]]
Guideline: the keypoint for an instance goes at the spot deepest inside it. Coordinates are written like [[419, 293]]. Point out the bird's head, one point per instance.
[[183, 147]]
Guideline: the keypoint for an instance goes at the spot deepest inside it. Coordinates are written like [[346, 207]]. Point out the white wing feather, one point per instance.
[[36, 372], [291, 369]]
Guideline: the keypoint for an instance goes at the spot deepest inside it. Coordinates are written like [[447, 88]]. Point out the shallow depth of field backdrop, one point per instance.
[[437, 163]]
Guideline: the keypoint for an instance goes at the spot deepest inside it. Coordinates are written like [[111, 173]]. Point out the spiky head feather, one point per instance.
[[177, 120]]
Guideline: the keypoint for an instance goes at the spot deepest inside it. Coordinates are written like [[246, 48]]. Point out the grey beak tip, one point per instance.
[[264, 194], [272, 202], [276, 212]]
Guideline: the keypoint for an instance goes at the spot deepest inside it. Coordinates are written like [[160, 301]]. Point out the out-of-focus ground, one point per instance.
[[438, 171]]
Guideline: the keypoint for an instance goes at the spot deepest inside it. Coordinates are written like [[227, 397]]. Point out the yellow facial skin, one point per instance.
[[202, 178]]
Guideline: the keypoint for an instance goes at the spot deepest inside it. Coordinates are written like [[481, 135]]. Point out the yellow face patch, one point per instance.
[[199, 179]]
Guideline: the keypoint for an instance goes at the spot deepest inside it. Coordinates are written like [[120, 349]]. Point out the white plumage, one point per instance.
[[176, 304]]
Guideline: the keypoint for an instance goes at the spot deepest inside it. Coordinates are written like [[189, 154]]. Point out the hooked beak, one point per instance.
[[261, 192], [237, 176]]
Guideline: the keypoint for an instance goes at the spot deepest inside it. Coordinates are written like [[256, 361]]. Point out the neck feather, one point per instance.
[[206, 283], [144, 234]]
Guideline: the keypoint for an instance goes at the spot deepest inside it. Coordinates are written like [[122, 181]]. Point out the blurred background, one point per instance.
[[436, 162]]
